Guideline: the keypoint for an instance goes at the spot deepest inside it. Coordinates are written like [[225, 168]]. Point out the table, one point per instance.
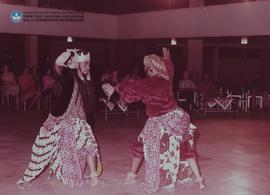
[[221, 105]]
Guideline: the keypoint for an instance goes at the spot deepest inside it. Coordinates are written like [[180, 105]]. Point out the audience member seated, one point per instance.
[[10, 85], [35, 75], [48, 82], [186, 89], [28, 86]]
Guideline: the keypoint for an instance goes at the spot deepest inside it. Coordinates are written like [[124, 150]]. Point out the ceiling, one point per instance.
[[119, 6], [126, 6], [115, 6]]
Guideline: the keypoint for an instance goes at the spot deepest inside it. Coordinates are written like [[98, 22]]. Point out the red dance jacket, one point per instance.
[[155, 92]]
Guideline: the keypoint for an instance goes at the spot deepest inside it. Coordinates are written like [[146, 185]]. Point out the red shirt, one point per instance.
[[155, 92]]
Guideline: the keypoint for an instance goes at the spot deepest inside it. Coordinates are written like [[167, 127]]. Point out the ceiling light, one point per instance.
[[173, 41], [244, 40], [69, 39]]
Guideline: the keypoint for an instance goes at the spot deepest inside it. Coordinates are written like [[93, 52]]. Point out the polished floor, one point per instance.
[[234, 155]]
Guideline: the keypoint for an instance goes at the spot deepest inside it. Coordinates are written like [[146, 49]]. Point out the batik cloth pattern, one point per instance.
[[185, 174], [163, 135], [63, 143]]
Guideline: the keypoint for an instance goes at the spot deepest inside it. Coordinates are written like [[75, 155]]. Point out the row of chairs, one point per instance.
[[6, 98], [46, 100], [235, 102]]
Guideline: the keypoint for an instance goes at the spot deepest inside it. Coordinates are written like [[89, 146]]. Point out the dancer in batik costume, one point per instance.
[[167, 126], [65, 141]]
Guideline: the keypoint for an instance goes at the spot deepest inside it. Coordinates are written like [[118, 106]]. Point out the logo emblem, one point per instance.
[[16, 16]]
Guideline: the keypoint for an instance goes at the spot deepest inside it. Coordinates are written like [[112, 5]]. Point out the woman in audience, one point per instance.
[[10, 85], [36, 77], [28, 87], [48, 82]]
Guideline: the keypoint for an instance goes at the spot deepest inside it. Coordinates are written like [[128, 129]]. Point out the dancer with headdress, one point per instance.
[[65, 141], [167, 127]]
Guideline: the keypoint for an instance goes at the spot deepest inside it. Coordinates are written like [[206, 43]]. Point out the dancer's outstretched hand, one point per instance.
[[166, 53]]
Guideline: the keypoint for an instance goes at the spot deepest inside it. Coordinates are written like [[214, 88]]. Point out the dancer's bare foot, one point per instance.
[[169, 188], [94, 180], [131, 178], [201, 183]]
